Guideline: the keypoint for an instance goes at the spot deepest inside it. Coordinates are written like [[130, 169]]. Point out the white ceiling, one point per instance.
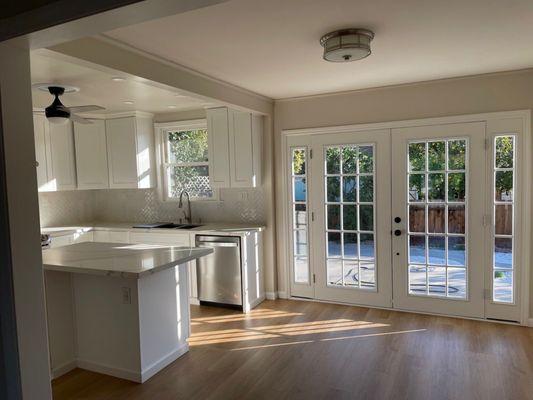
[[271, 47], [97, 87]]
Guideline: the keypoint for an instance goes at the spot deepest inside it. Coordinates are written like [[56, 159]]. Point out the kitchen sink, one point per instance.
[[167, 225]]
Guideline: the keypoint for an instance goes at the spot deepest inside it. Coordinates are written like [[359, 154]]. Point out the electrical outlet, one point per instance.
[[126, 295], [244, 196]]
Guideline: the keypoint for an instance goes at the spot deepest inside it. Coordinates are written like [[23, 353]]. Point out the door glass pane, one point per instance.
[[436, 187], [349, 189], [436, 218], [333, 216], [417, 188], [300, 248], [456, 218], [437, 224], [437, 281], [417, 218], [333, 189], [417, 279], [366, 188], [417, 157], [351, 273], [503, 219], [349, 160], [349, 181], [349, 217], [417, 249], [333, 158], [456, 154], [300, 189], [456, 186], [436, 156]]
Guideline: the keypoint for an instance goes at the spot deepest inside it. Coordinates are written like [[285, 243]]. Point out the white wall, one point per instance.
[[470, 95], [23, 219]]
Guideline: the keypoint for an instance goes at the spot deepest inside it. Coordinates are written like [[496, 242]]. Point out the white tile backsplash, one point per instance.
[[144, 205]]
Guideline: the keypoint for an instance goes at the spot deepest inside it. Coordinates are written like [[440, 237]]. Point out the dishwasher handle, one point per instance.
[[217, 244]]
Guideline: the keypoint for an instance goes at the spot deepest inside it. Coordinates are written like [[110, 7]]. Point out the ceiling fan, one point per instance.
[[57, 113]]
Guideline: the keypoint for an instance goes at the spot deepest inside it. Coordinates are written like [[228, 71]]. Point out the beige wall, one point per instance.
[[471, 95]]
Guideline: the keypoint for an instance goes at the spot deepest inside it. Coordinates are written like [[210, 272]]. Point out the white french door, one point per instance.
[[438, 232], [345, 255], [420, 218]]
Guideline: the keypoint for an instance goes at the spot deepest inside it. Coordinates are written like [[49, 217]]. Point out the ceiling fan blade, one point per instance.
[[79, 120], [89, 108]]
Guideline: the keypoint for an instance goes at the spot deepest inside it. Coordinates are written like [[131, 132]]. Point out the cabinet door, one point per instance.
[[39, 128], [91, 155], [61, 164], [218, 147], [241, 149], [122, 152]]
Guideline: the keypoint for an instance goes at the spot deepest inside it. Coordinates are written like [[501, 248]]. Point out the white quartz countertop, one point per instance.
[[129, 226], [118, 259]]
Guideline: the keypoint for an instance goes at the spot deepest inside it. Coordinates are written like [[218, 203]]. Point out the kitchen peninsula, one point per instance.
[[127, 313]]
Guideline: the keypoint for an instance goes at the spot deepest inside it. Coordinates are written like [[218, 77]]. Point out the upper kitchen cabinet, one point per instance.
[[55, 158], [234, 148], [40, 130], [130, 152], [91, 155]]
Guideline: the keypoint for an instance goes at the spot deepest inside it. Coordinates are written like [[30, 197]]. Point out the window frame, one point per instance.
[[161, 134]]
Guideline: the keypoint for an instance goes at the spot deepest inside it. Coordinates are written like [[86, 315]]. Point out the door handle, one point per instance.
[[397, 232]]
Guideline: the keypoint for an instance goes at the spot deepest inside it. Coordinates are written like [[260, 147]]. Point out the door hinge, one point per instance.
[[487, 144], [312, 216], [310, 153], [314, 278], [486, 220]]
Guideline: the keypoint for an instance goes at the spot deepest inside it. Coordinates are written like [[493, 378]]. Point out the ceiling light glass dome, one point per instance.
[[347, 45]]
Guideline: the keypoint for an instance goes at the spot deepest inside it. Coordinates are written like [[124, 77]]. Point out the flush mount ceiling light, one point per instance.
[[347, 45], [118, 79]]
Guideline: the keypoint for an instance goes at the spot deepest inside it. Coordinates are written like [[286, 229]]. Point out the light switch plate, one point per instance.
[[126, 295]]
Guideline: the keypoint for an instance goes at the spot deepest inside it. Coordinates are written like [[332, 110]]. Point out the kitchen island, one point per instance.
[[127, 312]]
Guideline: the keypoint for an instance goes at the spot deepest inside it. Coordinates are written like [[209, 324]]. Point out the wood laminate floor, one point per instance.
[[304, 350]]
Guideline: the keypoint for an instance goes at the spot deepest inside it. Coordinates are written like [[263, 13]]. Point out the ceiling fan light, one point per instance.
[[58, 120], [347, 45]]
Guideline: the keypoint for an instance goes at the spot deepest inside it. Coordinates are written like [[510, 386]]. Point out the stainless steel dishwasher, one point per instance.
[[219, 273]]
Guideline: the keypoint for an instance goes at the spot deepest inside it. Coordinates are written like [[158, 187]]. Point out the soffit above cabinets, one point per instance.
[[272, 47], [98, 87]]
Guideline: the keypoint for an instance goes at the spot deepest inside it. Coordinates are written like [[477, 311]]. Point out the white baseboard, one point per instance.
[[530, 322], [271, 295], [256, 302], [194, 300], [283, 295], [153, 369], [108, 370], [63, 369]]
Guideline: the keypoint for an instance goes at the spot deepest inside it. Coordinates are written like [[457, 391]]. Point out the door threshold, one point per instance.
[[491, 320]]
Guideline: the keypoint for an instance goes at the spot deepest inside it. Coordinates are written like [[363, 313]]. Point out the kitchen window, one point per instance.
[[184, 161]]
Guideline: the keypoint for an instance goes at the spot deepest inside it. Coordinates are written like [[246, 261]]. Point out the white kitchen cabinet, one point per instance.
[[62, 163], [245, 132], [172, 239], [54, 154], [111, 236], [91, 155], [234, 148], [40, 129], [130, 152], [218, 147]]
